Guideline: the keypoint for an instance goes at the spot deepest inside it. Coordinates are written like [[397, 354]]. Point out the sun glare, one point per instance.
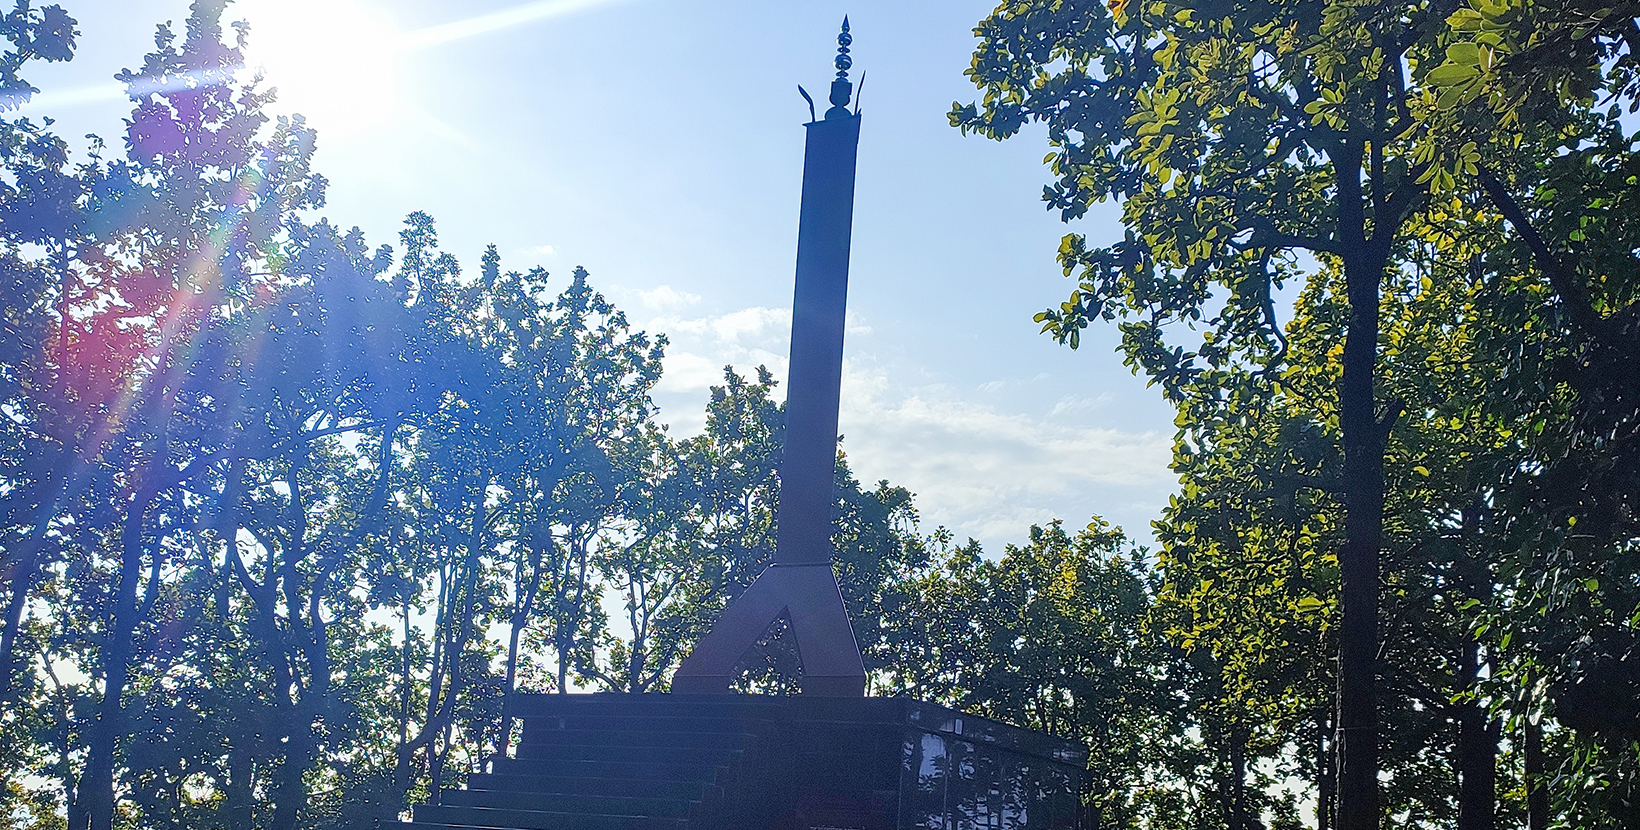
[[337, 62]]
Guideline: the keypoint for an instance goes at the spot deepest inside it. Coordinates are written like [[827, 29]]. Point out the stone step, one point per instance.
[[558, 767], [641, 723], [637, 739], [617, 705], [592, 805], [539, 820], [615, 752], [691, 790]]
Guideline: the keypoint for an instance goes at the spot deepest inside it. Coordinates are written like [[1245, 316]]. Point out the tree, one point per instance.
[[1537, 90], [284, 519], [39, 208], [140, 278], [1236, 136], [35, 208]]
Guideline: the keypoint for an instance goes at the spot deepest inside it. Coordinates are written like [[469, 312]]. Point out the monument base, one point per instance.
[[808, 596], [762, 762]]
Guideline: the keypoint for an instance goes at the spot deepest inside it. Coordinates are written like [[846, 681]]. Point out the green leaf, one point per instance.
[[1450, 74]]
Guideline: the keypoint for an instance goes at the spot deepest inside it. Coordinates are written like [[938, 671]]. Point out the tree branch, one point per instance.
[[1561, 278], [1265, 235]]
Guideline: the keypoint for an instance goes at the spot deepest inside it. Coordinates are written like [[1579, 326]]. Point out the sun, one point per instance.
[[336, 62]]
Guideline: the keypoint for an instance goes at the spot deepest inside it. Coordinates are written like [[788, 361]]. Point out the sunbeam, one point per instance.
[[337, 62], [494, 21]]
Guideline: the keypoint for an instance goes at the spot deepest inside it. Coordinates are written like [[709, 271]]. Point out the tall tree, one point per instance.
[[1242, 139], [1537, 91], [39, 206]]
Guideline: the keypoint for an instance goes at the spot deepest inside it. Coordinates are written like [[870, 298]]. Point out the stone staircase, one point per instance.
[[597, 762], [753, 762]]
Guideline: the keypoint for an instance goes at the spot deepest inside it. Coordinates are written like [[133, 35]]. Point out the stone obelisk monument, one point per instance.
[[800, 584], [827, 759]]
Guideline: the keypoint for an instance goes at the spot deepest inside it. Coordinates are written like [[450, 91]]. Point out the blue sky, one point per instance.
[[659, 144]]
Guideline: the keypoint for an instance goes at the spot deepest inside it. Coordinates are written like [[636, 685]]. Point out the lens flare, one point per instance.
[[337, 62]]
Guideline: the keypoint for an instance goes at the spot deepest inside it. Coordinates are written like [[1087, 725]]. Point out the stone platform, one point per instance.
[[755, 762]]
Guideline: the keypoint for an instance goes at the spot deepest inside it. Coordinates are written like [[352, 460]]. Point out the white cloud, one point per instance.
[[977, 464], [855, 324], [686, 372], [1041, 456], [990, 473], [1076, 404], [702, 346], [754, 325], [667, 298]]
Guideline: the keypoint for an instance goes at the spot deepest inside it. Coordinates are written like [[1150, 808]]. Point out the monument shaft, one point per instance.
[[808, 470]]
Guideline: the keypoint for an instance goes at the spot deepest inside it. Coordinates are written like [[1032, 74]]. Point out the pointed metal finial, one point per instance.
[[843, 61], [841, 89]]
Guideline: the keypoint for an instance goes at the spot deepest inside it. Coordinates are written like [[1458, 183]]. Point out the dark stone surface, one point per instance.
[[755, 762]]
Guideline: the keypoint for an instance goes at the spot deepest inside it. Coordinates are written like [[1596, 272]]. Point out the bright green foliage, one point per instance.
[[1218, 128], [1453, 184], [282, 518], [1242, 140], [1052, 637], [1540, 89]]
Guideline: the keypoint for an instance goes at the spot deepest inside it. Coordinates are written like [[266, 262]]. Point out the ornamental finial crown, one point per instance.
[[841, 88]]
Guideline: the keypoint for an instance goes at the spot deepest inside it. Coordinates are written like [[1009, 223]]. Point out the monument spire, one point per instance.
[[841, 87], [800, 585]]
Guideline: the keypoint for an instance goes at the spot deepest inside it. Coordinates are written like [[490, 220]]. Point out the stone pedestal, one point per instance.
[[754, 762]]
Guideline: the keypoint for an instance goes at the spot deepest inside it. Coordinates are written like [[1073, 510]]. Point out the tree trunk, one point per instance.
[[1364, 441], [19, 579], [302, 746], [1478, 735], [504, 739], [1537, 790], [569, 622], [405, 676], [62, 740], [520, 621], [25, 561], [288, 790], [97, 787], [238, 790], [1238, 782], [447, 680], [1477, 754], [290, 794], [438, 753], [18, 566], [1326, 792]]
